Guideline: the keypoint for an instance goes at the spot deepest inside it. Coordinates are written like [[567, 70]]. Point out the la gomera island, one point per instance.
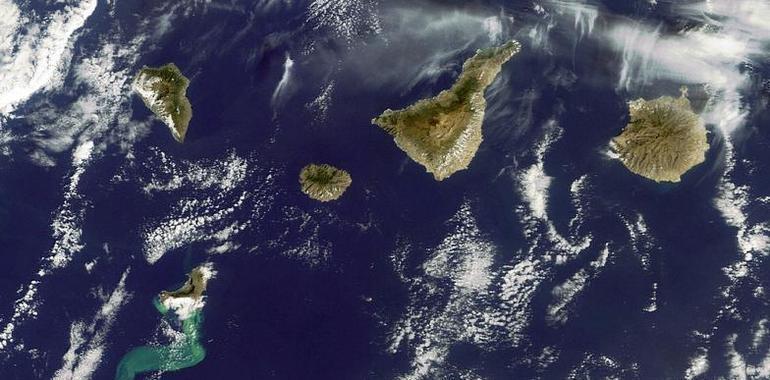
[[443, 133], [324, 182], [663, 140], [186, 349], [164, 91]]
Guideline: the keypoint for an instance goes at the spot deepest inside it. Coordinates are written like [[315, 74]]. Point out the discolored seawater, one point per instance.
[[183, 353]]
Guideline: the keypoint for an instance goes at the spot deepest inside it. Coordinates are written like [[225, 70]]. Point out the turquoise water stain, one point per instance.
[[183, 353]]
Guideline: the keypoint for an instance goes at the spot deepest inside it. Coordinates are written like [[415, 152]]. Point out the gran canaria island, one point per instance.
[[443, 133], [164, 91], [663, 140], [324, 182]]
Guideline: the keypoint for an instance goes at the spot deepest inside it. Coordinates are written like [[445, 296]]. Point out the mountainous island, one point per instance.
[[324, 182], [443, 133], [663, 140], [164, 91]]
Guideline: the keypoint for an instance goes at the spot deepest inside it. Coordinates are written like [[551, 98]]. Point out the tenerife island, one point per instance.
[[663, 140], [324, 182], [164, 91], [443, 133]]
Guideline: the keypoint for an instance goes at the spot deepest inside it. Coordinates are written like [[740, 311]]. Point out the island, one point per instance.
[[189, 296], [164, 91], [663, 140], [185, 349], [443, 133], [324, 182]]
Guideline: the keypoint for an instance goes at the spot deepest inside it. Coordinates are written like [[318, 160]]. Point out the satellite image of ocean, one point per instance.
[[155, 224]]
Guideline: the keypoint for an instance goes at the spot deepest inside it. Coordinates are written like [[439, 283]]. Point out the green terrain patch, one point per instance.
[[164, 92], [324, 182]]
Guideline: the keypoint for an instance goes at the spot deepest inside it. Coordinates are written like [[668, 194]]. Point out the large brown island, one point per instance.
[[663, 140], [443, 133]]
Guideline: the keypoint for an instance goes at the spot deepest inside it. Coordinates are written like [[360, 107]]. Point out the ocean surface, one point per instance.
[[546, 258]]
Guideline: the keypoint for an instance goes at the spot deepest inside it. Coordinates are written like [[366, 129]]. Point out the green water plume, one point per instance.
[[183, 353]]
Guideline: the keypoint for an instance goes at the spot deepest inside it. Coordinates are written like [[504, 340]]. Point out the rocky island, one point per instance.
[[164, 91], [189, 295], [663, 140], [324, 182], [443, 133], [185, 350]]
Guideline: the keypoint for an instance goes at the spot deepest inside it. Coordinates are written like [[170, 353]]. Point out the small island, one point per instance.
[[189, 293], [164, 91], [663, 140], [324, 182], [185, 349], [443, 133]]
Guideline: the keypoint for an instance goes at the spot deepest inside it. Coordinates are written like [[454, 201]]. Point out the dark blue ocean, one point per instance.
[[332, 314]]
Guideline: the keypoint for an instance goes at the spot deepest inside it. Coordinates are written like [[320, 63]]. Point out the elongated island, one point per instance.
[[164, 91], [443, 133], [663, 140], [324, 182]]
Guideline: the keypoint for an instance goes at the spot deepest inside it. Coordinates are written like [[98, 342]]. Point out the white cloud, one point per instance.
[[484, 305], [346, 19], [209, 193], [713, 55], [494, 27], [284, 87], [431, 41], [66, 233], [101, 113], [191, 221], [534, 186], [23, 307], [565, 294], [603, 366], [66, 227], [98, 117], [322, 103], [88, 341], [584, 14], [170, 174], [185, 307], [32, 58], [698, 365], [735, 361], [464, 258]]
